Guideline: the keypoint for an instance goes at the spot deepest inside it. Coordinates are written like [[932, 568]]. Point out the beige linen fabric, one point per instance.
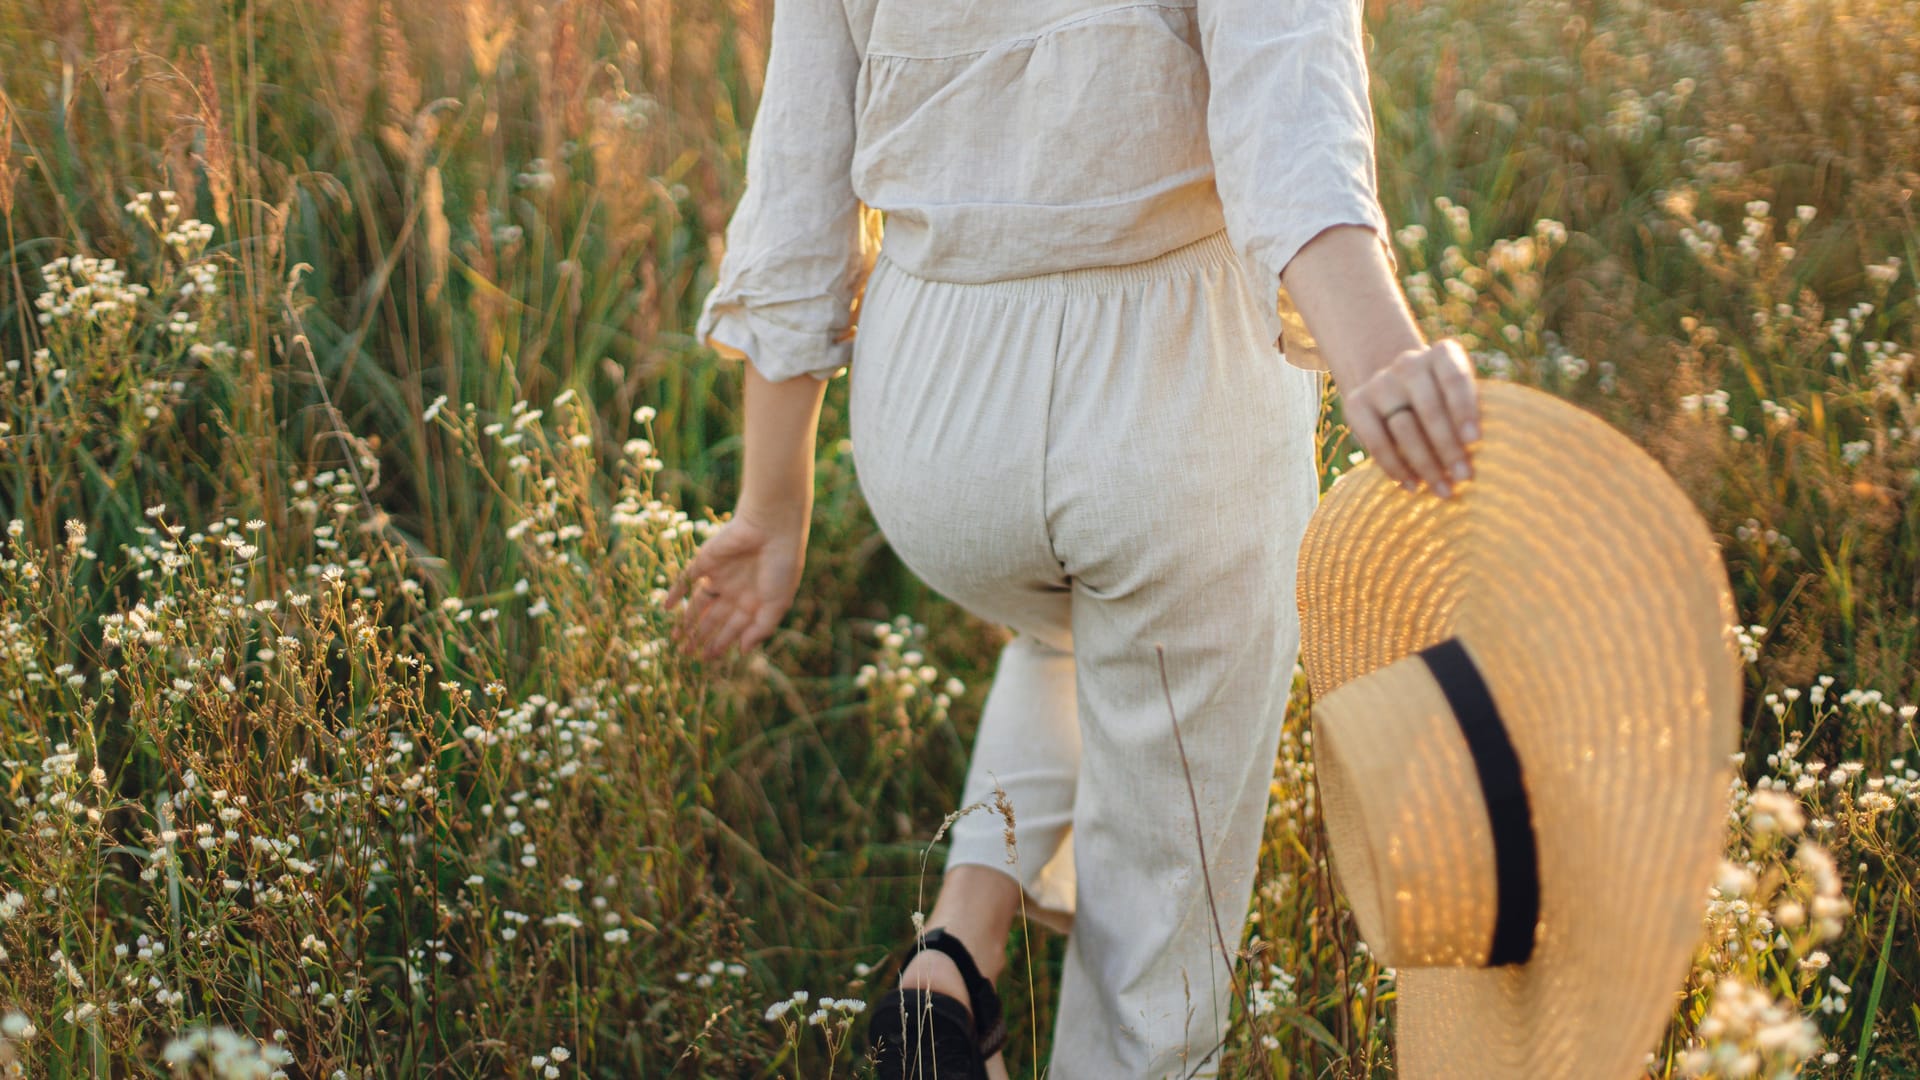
[[1102, 460], [1007, 138]]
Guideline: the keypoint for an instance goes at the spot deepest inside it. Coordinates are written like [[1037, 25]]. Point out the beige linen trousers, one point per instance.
[[1105, 460]]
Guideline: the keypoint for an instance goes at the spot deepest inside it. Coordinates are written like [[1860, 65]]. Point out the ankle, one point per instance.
[[935, 971]]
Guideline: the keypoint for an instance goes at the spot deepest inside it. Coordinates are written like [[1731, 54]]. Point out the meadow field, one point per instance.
[[351, 428]]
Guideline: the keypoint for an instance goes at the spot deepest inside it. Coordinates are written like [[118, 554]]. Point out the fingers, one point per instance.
[[694, 592], [1454, 373], [761, 628], [1377, 441], [696, 602], [729, 635], [696, 626], [1442, 443], [714, 600], [1411, 441], [708, 622], [695, 569], [1417, 415], [743, 631]]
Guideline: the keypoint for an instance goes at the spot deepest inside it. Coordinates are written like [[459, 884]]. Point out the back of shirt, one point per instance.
[[1004, 138], [1011, 137]]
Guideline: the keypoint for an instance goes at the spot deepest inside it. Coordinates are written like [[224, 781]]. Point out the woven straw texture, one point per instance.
[[1592, 596], [1422, 896]]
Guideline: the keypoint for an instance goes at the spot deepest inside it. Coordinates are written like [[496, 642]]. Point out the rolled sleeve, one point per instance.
[[784, 293], [1290, 123]]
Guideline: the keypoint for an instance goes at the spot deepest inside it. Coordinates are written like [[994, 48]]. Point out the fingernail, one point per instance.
[[1460, 472], [1470, 430], [1409, 486], [1442, 490]]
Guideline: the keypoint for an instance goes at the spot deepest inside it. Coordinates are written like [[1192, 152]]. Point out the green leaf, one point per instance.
[[1873, 996], [1313, 1029]]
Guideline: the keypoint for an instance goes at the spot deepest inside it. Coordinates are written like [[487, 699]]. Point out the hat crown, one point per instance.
[[1437, 876]]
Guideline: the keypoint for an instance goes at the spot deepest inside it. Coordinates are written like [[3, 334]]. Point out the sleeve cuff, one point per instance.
[[1281, 251], [778, 351]]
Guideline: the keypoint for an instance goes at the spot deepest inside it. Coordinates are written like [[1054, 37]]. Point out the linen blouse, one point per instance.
[[1004, 138]]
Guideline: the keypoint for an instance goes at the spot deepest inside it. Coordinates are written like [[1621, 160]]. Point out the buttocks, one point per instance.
[[1013, 137]]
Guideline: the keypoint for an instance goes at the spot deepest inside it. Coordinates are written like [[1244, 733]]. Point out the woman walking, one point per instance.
[[1068, 416]]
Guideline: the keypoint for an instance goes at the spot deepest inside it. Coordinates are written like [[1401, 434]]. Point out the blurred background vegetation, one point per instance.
[[337, 727]]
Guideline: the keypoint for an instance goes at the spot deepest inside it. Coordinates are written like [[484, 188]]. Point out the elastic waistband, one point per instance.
[[1207, 253]]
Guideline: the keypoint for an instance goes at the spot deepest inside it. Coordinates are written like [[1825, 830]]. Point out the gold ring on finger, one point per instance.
[[1400, 408]]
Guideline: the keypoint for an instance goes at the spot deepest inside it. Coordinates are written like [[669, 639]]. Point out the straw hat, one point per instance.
[[1526, 702]]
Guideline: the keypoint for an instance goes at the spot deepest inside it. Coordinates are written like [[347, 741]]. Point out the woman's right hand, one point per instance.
[[1416, 416], [741, 581]]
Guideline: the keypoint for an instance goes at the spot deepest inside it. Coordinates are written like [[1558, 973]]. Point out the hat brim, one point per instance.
[[1596, 602]]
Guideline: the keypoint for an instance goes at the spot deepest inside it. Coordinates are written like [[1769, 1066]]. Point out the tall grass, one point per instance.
[[338, 724]]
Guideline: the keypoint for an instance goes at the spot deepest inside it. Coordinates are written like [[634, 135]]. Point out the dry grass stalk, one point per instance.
[[489, 31], [434, 208], [6, 155], [217, 158], [398, 81], [352, 62], [1227, 955], [568, 84], [112, 62], [656, 40]]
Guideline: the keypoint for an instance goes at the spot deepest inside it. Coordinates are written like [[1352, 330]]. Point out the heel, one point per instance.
[[924, 1035], [989, 1025], [927, 1035]]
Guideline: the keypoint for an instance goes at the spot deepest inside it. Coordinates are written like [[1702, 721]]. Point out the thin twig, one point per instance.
[[1199, 839], [1193, 799]]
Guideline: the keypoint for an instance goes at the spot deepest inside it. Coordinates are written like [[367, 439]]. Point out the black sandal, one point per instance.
[[920, 1034]]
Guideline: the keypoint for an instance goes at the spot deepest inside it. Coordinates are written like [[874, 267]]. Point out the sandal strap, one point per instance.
[[989, 1026], [914, 1031]]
